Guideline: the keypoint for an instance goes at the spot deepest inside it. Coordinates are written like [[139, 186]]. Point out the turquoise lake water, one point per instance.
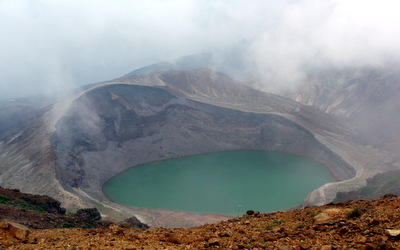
[[228, 183]]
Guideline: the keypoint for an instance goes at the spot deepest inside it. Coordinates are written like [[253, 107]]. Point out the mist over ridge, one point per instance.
[[53, 46]]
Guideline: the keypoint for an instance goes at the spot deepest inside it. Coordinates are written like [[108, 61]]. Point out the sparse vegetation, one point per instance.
[[4, 199], [312, 214], [377, 186], [270, 226], [354, 213], [274, 224], [40, 211], [20, 203], [69, 224]]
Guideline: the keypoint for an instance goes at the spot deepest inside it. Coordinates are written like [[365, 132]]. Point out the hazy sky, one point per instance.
[[48, 45]]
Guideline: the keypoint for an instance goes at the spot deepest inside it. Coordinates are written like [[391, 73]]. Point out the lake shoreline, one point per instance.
[[220, 181]]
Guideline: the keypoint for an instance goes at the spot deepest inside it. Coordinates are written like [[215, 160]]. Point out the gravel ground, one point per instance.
[[350, 225]]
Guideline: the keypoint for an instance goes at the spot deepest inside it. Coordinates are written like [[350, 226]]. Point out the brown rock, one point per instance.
[[116, 229], [392, 232], [322, 218], [374, 221], [213, 241], [303, 245], [326, 247], [283, 247], [343, 230], [361, 239], [371, 246], [270, 238], [329, 214], [175, 238], [4, 224], [341, 233], [13, 232], [224, 234], [21, 232]]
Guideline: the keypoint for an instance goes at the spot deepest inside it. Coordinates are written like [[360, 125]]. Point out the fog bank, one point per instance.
[[49, 46]]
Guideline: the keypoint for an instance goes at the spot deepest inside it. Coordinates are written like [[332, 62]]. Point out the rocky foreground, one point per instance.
[[372, 224]]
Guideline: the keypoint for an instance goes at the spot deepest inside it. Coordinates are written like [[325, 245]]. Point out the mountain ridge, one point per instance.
[[366, 97], [69, 150]]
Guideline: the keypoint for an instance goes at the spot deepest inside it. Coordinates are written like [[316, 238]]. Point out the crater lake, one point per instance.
[[228, 183]]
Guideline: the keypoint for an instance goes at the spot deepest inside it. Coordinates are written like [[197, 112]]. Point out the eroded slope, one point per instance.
[[74, 147]]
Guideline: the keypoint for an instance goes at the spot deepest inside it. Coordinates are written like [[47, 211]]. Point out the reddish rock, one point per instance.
[[175, 238], [294, 229], [303, 245], [392, 232], [13, 232], [360, 239], [213, 242]]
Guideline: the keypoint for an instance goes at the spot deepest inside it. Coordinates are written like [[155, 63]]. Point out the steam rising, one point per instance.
[[49, 46]]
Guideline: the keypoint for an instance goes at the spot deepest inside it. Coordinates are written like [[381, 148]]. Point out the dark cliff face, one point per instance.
[[111, 128], [109, 114]]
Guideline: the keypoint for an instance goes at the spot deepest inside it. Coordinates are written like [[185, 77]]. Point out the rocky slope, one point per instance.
[[74, 146], [371, 224], [43, 212], [367, 97], [376, 186]]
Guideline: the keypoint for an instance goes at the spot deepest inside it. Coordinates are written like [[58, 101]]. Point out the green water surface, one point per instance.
[[227, 183]]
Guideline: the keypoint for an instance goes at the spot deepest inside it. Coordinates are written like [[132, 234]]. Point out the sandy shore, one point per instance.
[[366, 160], [166, 218]]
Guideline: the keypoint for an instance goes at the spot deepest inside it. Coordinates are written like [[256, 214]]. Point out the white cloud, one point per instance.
[[49, 45], [311, 32]]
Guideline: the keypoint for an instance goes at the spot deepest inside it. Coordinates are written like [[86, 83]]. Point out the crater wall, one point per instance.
[[111, 129]]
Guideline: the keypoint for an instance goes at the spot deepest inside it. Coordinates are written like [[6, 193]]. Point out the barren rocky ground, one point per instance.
[[368, 224]]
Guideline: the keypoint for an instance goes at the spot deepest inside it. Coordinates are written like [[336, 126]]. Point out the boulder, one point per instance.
[[89, 214], [135, 223], [392, 232], [329, 214], [12, 232]]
